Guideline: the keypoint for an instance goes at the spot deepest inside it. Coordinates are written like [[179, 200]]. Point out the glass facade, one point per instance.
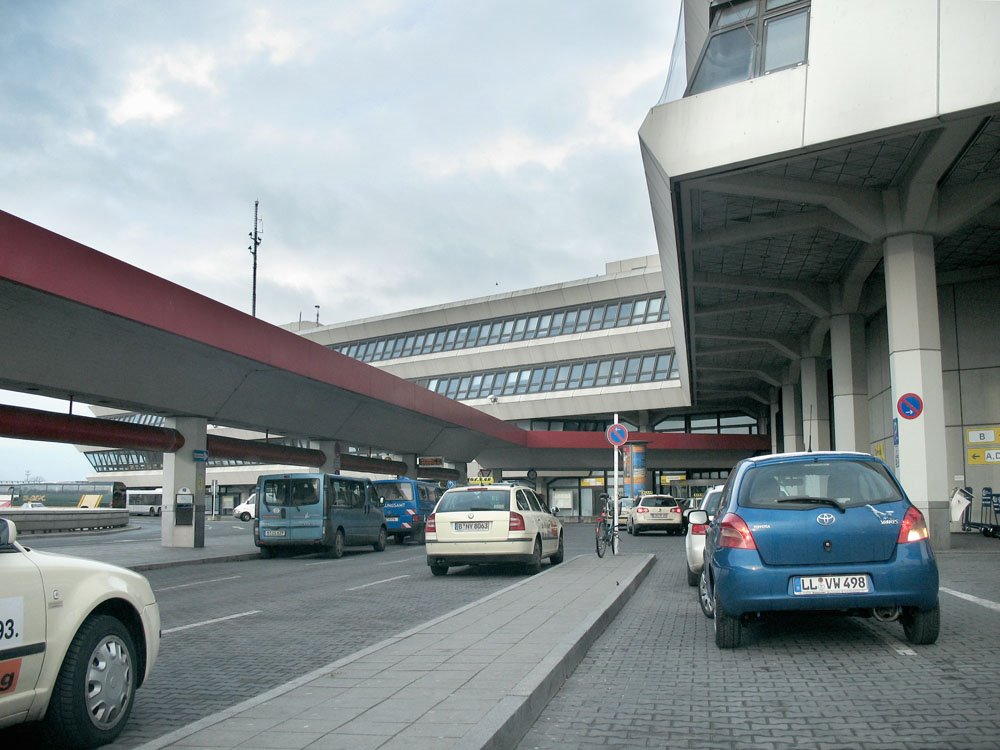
[[750, 38], [571, 375], [537, 325]]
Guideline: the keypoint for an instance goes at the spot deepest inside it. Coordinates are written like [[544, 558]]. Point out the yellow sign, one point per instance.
[[480, 480], [983, 436], [878, 450], [982, 456]]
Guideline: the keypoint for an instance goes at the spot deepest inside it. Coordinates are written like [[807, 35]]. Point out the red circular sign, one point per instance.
[[910, 406]]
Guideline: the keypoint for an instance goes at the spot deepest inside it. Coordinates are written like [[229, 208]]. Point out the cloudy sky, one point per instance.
[[404, 153]]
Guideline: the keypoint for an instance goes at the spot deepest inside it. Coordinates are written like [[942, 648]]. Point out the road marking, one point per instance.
[[404, 560], [376, 583], [974, 599], [210, 622], [124, 541], [194, 583]]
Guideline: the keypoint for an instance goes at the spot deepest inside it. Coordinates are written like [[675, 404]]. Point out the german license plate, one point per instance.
[[392, 519], [472, 525], [274, 532], [811, 585], [658, 516]]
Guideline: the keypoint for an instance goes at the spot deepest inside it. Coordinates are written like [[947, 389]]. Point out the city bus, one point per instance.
[[68, 494], [146, 501]]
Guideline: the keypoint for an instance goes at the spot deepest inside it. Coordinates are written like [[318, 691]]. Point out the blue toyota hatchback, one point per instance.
[[817, 531]]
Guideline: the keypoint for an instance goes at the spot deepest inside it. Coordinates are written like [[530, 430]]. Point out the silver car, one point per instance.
[[694, 542]]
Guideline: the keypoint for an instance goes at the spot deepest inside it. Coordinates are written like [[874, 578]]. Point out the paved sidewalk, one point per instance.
[[477, 677]]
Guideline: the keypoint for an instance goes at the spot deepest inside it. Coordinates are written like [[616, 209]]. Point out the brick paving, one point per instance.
[[655, 678]]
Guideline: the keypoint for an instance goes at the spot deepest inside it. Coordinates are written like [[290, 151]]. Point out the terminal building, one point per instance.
[[824, 180]]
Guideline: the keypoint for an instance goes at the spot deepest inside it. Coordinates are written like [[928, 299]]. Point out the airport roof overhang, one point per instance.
[[760, 252], [77, 324]]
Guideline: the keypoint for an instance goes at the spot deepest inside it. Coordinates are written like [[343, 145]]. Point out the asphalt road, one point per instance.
[[655, 678]]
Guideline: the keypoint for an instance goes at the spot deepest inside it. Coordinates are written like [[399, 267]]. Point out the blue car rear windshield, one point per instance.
[[799, 484], [474, 500]]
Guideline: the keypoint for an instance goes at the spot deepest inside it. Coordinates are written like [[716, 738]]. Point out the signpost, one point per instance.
[[617, 435]]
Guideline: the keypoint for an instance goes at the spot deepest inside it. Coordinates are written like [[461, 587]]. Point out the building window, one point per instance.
[[750, 38]]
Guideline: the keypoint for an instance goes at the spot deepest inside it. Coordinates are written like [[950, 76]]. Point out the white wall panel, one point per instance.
[[872, 65], [970, 53]]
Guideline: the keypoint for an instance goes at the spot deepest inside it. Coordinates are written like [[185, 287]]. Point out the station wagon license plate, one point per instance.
[[811, 585], [472, 525], [274, 532]]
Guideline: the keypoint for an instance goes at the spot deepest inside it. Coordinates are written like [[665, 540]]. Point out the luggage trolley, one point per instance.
[[989, 514]]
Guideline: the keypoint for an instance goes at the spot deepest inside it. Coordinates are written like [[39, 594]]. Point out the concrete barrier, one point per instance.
[[49, 520]]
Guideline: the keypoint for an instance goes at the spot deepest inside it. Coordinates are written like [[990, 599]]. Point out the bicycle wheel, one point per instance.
[[602, 537]]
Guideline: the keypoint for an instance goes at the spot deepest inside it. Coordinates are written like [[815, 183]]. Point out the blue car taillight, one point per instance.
[[913, 527], [734, 533]]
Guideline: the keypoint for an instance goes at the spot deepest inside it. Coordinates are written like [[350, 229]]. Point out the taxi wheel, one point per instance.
[[380, 545], [560, 553], [439, 570], [92, 697], [244, 516], [535, 566]]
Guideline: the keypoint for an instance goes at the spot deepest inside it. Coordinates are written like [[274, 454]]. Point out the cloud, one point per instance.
[[146, 96]]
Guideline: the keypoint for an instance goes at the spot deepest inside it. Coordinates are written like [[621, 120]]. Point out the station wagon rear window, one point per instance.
[[474, 500], [657, 502], [798, 485]]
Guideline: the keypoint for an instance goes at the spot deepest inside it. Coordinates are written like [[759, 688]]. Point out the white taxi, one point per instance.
[[77, 638], [499, 523]]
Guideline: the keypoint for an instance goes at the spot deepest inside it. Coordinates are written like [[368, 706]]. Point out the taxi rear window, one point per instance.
[[474, 500]]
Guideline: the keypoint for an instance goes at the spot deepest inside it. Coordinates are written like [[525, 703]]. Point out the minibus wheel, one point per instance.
[[336, 550]]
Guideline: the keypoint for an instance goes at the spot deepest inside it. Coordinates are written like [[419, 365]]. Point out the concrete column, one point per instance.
[[850, 383], [331, 449], [815, 404], [184, 475], [411, 465], [775, 409], [915, 368], [791, 418]]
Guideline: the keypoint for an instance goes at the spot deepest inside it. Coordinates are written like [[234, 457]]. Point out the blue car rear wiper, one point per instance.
[[807, 499]]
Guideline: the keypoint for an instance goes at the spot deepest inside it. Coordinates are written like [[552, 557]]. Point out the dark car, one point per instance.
[[828, 531]]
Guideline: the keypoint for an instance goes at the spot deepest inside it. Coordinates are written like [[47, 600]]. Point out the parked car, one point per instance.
[[406, 504], [317, 512], [830, 531], [499, 523], [655, 513], [624, 506], [79, 638], [694, 542], [30, 505], [247, 509]]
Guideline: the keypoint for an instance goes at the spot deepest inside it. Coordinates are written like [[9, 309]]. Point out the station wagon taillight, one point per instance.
[[913, 527], [640, 509], [734, 533], [431, 524], [516, 522]]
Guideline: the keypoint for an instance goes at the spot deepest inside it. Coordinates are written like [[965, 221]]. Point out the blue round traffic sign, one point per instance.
[[910, 406], [617, 434]]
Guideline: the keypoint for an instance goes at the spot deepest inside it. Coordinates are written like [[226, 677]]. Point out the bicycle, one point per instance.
[[605, 531]]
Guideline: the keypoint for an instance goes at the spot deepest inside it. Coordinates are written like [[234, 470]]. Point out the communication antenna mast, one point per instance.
[[254, 244]]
